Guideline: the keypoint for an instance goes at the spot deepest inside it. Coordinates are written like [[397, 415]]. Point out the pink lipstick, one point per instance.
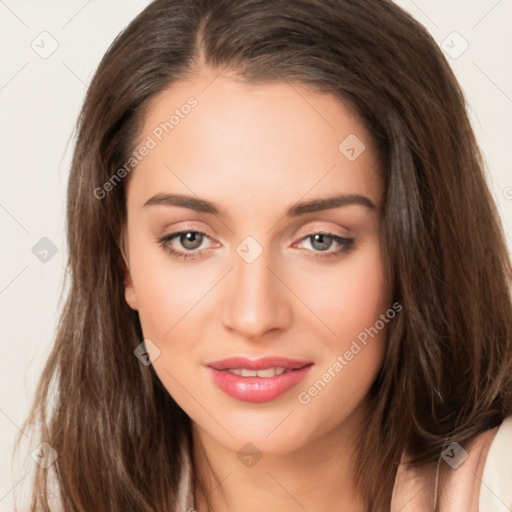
[[259, 380]]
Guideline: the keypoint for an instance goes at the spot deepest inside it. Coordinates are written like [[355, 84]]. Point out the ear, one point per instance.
[[129, 290]]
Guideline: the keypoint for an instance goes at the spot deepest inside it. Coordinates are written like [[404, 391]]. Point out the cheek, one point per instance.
[[351, 296], [366, 294], [354, 355], [166, 289]]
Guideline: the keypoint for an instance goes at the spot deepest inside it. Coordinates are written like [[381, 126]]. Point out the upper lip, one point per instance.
[[258, 364]]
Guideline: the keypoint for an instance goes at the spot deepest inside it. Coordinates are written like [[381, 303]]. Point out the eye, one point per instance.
[[191, 241], [322, 242], [189, 244]]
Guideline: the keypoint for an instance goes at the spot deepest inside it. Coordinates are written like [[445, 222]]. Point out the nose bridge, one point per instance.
[[256, 301]]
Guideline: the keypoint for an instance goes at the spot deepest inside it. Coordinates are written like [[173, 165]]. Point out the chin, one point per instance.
[[279, 433]]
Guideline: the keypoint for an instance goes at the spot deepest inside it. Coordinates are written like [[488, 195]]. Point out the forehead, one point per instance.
[[214, 136]]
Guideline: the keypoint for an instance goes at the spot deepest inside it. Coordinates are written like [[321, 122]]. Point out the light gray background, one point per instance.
[[39, 102]]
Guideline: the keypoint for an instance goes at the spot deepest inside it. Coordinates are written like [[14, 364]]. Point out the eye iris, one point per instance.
[[325, 241], [191, 240]]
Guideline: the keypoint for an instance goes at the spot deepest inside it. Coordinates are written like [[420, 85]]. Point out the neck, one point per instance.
[[318, 476]]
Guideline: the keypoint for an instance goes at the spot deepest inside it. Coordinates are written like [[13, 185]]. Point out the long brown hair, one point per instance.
[[447, 373]]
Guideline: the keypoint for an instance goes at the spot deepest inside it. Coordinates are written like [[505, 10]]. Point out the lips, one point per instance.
[[258, 380], [258, 364]]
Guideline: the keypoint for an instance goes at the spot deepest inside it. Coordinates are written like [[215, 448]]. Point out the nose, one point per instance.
[[256, 301]]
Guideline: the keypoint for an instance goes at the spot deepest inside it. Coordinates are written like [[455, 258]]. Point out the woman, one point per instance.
[[290, 289]]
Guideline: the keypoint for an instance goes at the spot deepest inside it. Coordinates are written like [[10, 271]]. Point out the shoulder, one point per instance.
[[460, 481], [459, 485], [496, 488]]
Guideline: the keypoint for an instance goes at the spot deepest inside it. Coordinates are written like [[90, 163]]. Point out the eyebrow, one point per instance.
[[313, 205]]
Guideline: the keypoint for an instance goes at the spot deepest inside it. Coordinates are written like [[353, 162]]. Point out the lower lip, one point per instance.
[[257, 389]]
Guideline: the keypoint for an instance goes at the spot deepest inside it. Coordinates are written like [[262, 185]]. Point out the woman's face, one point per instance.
[[241, 171]]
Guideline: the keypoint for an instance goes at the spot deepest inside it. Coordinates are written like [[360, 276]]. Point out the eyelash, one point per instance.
[[346, 245]]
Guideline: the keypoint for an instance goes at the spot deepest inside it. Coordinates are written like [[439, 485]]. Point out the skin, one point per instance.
[[256, 150]]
